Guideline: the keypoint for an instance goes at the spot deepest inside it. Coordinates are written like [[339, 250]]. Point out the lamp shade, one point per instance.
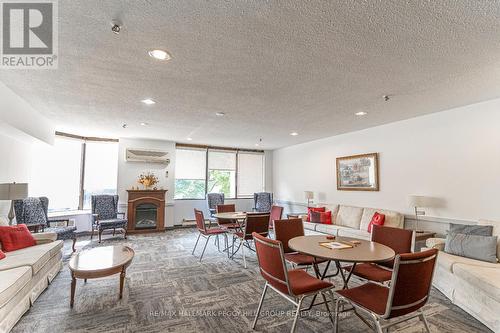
[[309, 195], [420, 201], [13, 191]]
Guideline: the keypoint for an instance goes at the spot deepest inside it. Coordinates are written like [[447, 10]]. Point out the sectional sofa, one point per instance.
[[25, 274], [350, 221], [471, 284]]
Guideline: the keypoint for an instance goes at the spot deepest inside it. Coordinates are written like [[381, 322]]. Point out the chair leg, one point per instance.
[[100, 233], [74, 243], [378, 328], [125, 234], [260, 306], [114, 230], [92, 234], [424, 320], [336, 318], [243, 253], [197, 239], [297, 314], [205, 247]]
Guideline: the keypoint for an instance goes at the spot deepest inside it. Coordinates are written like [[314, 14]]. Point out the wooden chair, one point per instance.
[[276, 214], [409, 290], [294, 285]]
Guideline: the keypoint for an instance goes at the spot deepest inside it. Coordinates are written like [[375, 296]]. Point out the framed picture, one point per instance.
[[358, 173]]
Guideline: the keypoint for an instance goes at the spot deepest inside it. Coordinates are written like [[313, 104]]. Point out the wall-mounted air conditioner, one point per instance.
[[146, 156]]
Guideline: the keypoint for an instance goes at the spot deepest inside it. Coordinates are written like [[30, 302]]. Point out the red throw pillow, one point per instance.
[[314, 209], [16, 237], [377, 219], [321, 217], [2, 255]]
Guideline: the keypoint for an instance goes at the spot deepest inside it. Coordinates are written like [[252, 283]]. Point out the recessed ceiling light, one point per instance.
[[144, 124], [148, 101], [220, 114], [294, 134], [189, 139], [361, 113], [159, 54]]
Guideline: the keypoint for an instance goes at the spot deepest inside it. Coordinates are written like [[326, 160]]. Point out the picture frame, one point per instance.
[[358, 172]]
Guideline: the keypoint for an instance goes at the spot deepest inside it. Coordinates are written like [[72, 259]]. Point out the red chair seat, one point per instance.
[[302, 259], [371, 272], [303, 283], [370, 295], [214, 231]]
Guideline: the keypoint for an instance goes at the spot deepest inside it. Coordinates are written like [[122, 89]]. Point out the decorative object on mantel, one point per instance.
[[417, 201], [148, 179], [358, 173], [13, 191], [309, 195]]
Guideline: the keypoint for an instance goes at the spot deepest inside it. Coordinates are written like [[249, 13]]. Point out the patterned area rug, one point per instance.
[[169, 290]]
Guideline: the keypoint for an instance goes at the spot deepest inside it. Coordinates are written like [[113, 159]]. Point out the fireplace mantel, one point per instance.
[[141, 198]]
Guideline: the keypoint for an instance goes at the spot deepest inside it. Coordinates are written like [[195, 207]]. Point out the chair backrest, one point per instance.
[[400, 240], [284, 230], [227, 208], [276, 213], [411, 282], [214, 199], [256, 224], [32, 210], [263, 201], [200, 220], [272, 262], [105, 206]]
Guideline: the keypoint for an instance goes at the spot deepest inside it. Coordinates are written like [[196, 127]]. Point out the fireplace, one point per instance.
[[146, 211]]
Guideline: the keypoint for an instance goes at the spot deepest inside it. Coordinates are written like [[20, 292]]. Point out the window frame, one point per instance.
[[207, 150]]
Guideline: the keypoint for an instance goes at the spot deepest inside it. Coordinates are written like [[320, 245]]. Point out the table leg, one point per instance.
[[122, 281], [73, 287], [344, 278]]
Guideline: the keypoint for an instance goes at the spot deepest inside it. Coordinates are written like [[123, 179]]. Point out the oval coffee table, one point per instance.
[[364, 251], [100, 262]]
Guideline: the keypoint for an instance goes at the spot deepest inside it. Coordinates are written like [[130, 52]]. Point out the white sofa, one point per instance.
[[25, 274], [471, 284], [350, 221]]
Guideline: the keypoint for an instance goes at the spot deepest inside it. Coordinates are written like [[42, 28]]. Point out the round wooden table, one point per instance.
[[231, 216], [365, 251], [100, 262]]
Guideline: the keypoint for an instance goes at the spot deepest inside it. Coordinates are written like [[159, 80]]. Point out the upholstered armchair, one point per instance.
[[34, 213], [214, 199], [262, 202], [105, 214]]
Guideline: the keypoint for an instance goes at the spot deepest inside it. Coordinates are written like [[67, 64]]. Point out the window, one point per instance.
[[101, 170], [190, 173], [250, 174], [236, 173], [222, 173], [56, 173]]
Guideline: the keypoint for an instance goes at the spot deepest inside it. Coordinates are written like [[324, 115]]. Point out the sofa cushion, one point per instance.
[[448, 261], [471, 229], [321, 217], [472, 246], [377, 219], [349, 216], [314, 209], [495, 232], [392, 219], [16, 237], [330, 229], [12, 281], [484, 278], [35, 256], [354, 233], [2, 255]]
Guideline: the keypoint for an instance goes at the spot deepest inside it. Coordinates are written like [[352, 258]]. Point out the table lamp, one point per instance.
[[13, 191], [309, 196], [419, 201]]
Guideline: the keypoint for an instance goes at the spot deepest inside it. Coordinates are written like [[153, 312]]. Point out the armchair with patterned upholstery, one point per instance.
[[33, 212], [214, 199], [262, 202], [105, 214]]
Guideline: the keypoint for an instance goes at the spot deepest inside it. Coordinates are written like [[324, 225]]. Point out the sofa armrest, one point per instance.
[[45, 237], [435, 243]]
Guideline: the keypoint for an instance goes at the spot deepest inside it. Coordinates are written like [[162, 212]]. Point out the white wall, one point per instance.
[[453, 155], [129, 171]]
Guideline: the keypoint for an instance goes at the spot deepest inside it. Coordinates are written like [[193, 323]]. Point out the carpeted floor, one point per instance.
[[168, 290]]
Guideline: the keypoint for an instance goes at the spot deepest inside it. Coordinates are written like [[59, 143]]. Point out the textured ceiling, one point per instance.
[[272, 66]]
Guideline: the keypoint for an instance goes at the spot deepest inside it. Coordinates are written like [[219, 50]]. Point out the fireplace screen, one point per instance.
[[146, 216]]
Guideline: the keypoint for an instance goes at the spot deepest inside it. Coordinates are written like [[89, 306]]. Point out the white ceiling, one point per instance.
[[272, 66]]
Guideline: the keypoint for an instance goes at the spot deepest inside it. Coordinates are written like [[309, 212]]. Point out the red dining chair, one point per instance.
[[294, 285], [254, 224], [276, 213], [409, 291], [400, 240], [204, 232], [227, 223]]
